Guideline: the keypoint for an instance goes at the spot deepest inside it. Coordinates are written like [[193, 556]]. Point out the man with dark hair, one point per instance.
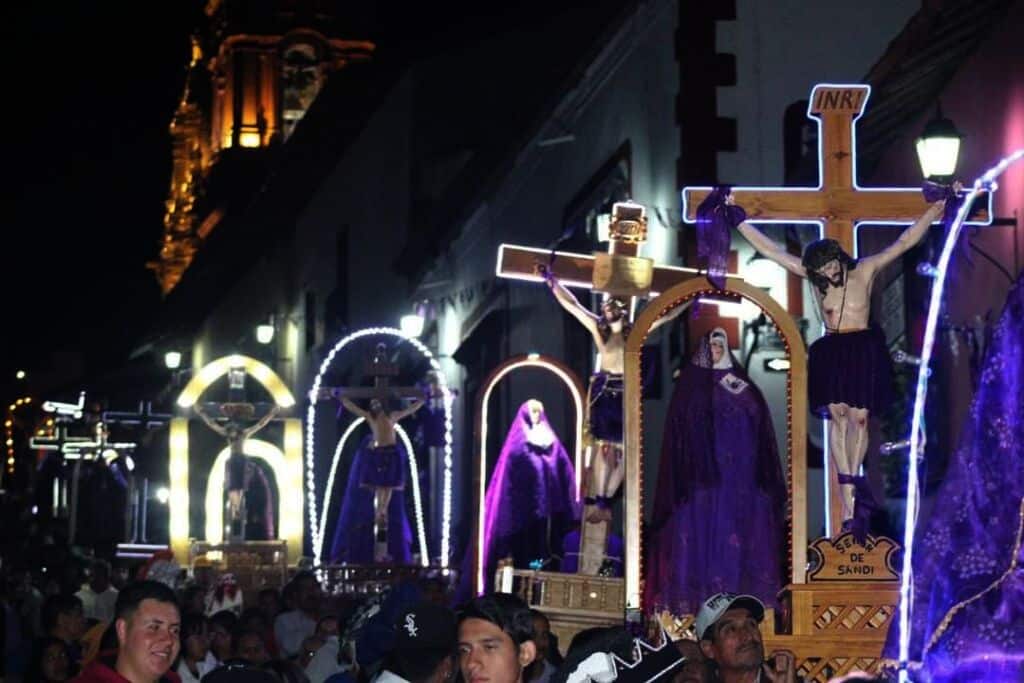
[[62, 618], [294, 626], [147, 622], [98, 596], [727, 626], [495, 639], [542, 669]]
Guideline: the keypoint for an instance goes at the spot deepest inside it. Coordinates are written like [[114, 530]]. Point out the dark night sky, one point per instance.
[[91, 89]]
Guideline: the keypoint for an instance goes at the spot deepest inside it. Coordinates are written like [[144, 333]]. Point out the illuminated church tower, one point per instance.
[[254, 72]]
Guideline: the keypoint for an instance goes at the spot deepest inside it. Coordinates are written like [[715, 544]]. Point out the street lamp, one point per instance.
[[939, 147], [172, 360], [265, 332]]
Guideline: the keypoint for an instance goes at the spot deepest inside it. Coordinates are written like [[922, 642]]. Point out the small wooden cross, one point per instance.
[[620, 271], [837, 203], [381, 369]]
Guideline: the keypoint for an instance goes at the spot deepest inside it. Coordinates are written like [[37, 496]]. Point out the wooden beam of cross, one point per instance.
[[838, 203], [382, 370], [619, 272]]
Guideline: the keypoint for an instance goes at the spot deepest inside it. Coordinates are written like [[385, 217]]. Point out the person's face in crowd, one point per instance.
[[55, 663], [717, 350], [308, 650], [148, 640], [736, 644], [488, 655], [220, 642], [270, 604], [252, 649], [695, 669], [198, 644], [541, 636], [100, 580], [196, 603], [328, 627], [308, 595], [71, 624]]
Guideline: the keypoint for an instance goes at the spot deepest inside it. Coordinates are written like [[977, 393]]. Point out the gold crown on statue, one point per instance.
[[629, 222]]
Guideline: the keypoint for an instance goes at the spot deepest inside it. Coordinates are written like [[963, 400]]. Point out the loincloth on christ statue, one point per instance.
[[384, 468], [852, 368], [373, 468], [604, 397]]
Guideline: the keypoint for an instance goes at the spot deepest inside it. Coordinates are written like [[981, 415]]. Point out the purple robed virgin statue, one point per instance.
[[720, 504], [531, 499], [967, 618], [372, 468]]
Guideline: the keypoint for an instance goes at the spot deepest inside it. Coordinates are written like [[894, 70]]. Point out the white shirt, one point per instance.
[[99, 606], [204, 667], [290, 629], [386, 676], [324, 663]]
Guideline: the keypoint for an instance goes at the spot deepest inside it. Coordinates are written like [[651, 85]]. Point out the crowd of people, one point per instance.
[[142, 631]]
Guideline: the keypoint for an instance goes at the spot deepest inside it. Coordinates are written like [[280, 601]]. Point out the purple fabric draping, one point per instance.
[[933, 192], [353, 534], [720, 503], [967, 621], [259, 504], [715, 219], [531, 498]]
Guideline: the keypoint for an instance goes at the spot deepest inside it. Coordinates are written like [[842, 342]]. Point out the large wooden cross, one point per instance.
[[838, 203]]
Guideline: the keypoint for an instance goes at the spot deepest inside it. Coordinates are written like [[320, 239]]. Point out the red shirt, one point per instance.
[[98, 672]]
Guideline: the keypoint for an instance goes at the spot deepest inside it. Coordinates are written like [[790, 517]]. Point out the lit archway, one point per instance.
[[414, 475], [315, 525], [575, 387], [288, 475], [796, 418]]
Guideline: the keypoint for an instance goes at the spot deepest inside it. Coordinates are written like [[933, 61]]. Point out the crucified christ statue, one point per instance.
[[849, 368], [385, 470], [604, 394], [235, 431]]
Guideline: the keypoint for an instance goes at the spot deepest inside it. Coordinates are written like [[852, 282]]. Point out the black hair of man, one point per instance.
[[506, 611], [132, 595], [191, 625], [418, 667], [56, 605], [226, 619]]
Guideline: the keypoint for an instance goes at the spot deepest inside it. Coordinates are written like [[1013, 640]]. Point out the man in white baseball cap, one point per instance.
[[727, 626]]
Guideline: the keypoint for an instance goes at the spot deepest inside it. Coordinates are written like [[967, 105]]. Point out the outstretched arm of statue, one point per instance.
[[907, 239], [353, 408], [771, 249], [567, 301], [210, 422], [406, 412], [668, 317], [271, 414]]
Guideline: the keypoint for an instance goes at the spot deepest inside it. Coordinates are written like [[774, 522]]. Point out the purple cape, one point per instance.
[[967, 619], [353, 534], [531, 499], [720, 504]]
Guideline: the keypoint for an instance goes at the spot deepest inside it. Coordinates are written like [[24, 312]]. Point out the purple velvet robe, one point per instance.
[[531, 499], [967, 619], [353, 534], [720, 503]]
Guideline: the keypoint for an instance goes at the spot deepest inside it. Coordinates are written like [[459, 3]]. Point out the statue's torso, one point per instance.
[[847, 308], [613, 352], [383, 428]]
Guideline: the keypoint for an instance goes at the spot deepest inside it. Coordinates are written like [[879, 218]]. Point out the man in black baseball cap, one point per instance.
[[727, 626], [424, 652]]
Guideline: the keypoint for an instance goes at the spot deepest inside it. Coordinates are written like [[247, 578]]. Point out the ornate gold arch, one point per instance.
[[796, 418]]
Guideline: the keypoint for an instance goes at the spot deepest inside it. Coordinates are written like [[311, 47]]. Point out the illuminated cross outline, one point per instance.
[[838, 204]]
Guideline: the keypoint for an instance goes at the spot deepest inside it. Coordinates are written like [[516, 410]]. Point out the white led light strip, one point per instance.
[[917, 442], [446, 504]]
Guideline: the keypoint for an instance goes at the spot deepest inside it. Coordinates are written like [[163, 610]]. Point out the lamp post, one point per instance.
[[938, 148]]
